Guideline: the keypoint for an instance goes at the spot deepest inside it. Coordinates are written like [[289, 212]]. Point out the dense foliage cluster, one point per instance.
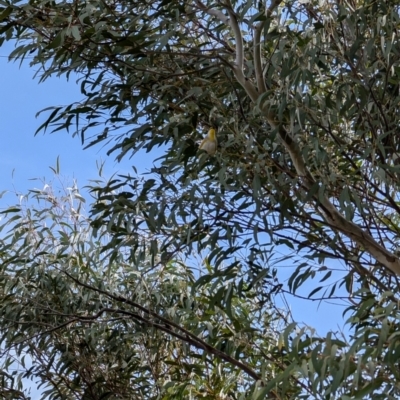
[[304, 97]]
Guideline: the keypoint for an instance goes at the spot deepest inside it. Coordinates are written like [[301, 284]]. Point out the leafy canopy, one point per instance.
[[304, 97], [84, 327]]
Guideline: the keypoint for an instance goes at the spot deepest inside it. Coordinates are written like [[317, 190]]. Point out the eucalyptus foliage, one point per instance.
[[80, 319], [304, 97], [82, 326]]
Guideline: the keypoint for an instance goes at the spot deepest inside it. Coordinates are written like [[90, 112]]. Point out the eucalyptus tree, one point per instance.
[[304, 98], [80, 324]]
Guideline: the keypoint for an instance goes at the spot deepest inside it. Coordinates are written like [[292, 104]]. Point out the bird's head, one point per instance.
[[211, 134]]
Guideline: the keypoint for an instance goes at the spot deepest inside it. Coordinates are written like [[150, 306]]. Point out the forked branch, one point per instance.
[[323, 204]]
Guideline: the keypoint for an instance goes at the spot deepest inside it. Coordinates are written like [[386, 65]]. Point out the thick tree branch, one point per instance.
[[238, 67], [215, 13], [246, 84], [234, 24], [329, 211], [258, 67]]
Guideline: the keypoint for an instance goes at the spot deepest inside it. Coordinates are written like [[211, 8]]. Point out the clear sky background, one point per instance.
[[30, 156], [25, 156]]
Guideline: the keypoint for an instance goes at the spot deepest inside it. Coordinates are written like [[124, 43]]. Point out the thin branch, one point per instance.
[[185, 335]]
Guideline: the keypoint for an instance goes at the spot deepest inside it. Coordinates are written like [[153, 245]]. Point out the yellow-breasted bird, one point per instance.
[[209, 143]]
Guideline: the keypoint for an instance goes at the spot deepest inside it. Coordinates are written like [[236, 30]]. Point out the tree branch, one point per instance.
[[258, 67], [234, 24], [329, 211], [215, 13], [185, 335]]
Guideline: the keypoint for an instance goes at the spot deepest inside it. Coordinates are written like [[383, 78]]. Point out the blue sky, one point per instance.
[[30, 156], [25, 156]]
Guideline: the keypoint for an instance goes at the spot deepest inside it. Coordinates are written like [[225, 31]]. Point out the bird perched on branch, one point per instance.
[[209, 143]]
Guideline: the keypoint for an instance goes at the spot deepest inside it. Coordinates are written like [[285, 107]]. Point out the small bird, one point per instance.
[[209, 143]]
